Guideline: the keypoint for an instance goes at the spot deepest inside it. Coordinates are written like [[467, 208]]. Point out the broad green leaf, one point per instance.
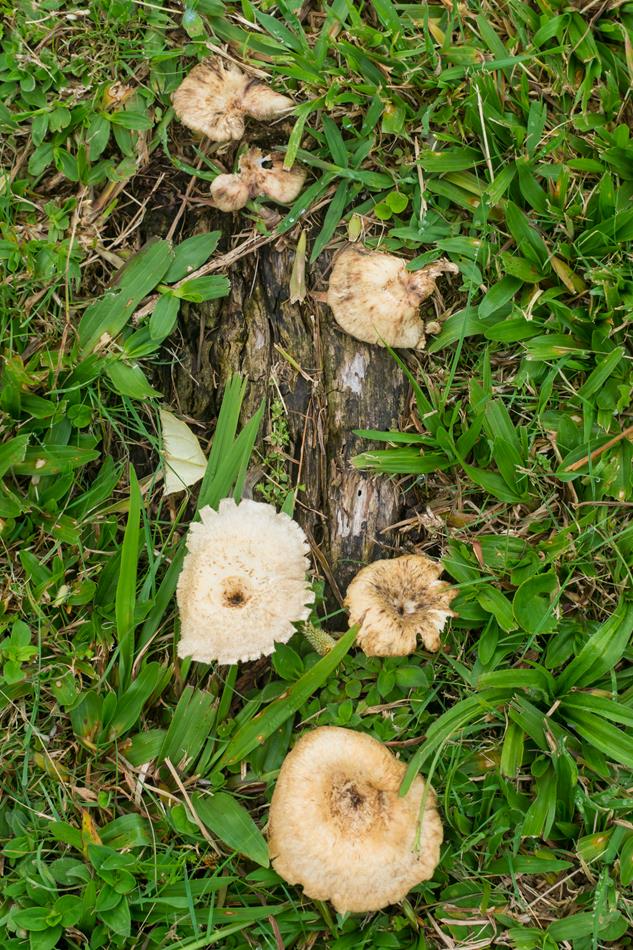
[[511, 864], [152, 679], [164, 317], [497, 604], [626, 862], [529, 718], [527, 239], [531, 189], [127, 831], [129, 380], [512, 750], [12, 452], [538, 679], [449, 160], [189, 729], [200, 289], [232, 824], [610, 926], [602, 372], [143, 747], [498, 296], [494, 484], [104, 319], [600, 705], [539, 817], [191, 254], [616, 744], [512, 330], [127, 119], [601, 653], [401, 461], [53, 459], [534, 604]]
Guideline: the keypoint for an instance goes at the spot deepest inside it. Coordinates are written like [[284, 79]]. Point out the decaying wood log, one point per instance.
[[342, 385]]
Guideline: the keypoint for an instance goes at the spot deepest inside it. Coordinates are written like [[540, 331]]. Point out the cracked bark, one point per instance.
[[343, 385]]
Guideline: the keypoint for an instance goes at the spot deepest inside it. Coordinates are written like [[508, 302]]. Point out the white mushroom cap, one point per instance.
[[395, 601], [259, 174], [339, 827], [375, 299], [242, 584], [213, 100]]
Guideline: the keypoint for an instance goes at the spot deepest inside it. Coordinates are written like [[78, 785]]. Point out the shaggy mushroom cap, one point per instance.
[[214, 98], [395, 601], [242, 584], [339, 827], [375, 299], [258, 174]]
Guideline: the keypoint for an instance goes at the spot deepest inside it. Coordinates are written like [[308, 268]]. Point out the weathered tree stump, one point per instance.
[[342, 385]]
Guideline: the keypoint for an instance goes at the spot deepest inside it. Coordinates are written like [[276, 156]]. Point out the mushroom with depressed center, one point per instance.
[[258, 174], [395, 601], [376, 299], [214, 99], [243, 583], [340, 828]]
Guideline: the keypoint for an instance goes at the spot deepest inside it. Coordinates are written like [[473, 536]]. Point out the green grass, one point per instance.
[[134, 786]]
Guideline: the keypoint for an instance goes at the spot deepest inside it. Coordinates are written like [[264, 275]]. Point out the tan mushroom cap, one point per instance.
[[259, 174], [214, 98], [375, 299], [396, 601], [339, 827]]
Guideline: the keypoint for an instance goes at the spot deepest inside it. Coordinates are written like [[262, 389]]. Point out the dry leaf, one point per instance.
[[185, 462]]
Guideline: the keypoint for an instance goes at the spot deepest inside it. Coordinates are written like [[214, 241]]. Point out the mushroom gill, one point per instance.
[[396, 601], [215, 97]]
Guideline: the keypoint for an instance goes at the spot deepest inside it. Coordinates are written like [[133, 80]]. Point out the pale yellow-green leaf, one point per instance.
[[298, 277], [183, 458]]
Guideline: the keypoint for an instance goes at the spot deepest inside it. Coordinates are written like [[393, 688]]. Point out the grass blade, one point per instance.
[[125, 601], [254, 733]]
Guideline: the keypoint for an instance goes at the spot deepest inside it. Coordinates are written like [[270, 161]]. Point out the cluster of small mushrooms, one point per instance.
[[372, 295], [338, 824]]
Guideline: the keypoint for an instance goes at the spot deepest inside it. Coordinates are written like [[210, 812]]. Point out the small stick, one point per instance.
[[625, 434], [203, 831]]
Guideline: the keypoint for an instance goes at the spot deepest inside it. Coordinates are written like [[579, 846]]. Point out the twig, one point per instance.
[[226, 260], [603, 448], [203, 831]]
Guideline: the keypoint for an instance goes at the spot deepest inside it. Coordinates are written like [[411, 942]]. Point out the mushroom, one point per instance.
[[243, 582], [259, 174], [395, 601], [376, 299], [339, 826], [214, 99]]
